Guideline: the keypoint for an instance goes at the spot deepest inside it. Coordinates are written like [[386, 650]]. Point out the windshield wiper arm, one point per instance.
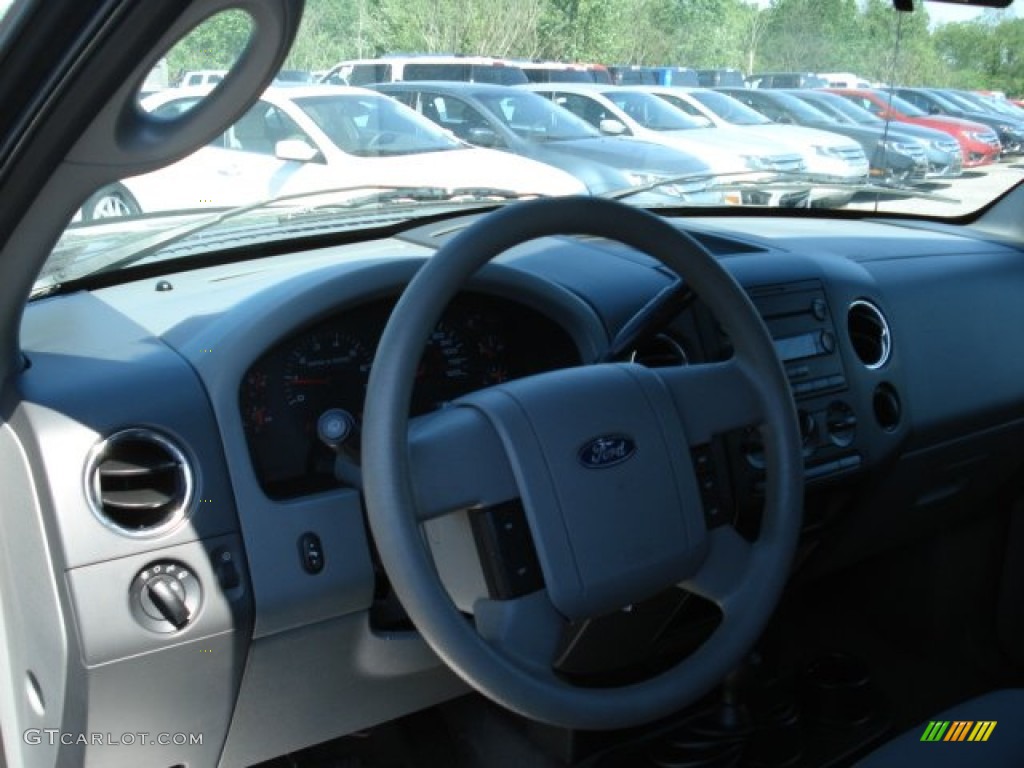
[[399, 195], [620, 194], [797, 181]]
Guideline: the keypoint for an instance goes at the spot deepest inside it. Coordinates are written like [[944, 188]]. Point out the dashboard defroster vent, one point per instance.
[[869, 333], [139, 483]]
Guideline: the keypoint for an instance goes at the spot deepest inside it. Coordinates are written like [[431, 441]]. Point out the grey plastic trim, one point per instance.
[[109, 629], [33, 635], [347, 678]]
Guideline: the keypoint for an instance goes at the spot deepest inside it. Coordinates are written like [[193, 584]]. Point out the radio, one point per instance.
[[798, 318]]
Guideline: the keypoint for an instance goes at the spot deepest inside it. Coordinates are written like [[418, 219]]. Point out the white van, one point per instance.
[[200, 77], [391, 69], [844, 80]]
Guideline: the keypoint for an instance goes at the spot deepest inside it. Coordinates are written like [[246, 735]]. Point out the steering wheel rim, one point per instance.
[[744, 579]]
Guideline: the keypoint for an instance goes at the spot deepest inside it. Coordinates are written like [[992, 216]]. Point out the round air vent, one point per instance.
[[869, 333], [139, 483], [659, 351]]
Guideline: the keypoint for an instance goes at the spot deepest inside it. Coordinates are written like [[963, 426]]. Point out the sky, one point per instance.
[[943, 13]]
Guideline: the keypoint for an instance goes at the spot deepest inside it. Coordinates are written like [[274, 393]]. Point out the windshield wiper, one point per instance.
[[795, 184], [400, 195], [60, 271], [770, 180]]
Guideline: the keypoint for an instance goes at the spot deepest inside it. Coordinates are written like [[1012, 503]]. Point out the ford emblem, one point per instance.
[[606, 451]]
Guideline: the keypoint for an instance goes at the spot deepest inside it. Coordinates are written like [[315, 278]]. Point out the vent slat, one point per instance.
[[121, 467], [137, 499]]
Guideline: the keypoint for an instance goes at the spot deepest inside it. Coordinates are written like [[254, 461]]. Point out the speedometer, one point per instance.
[[325, 369]]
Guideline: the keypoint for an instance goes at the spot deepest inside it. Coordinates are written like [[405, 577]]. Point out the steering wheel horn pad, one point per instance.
[[596, 510]]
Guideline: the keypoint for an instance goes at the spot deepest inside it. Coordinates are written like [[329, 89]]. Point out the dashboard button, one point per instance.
[[311, 552]]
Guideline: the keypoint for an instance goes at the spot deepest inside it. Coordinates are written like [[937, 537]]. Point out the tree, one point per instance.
[[215, 44]]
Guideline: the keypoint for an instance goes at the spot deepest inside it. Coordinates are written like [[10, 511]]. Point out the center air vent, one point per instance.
[[139, 483], [869, 333]]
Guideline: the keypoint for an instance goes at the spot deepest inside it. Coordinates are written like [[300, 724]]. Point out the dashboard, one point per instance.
[[884, 329]]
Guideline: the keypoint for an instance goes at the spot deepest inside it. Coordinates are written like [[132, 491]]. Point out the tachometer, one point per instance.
[[446, 369]]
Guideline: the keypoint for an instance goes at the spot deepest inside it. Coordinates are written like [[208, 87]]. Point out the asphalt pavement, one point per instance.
[[971, 191]]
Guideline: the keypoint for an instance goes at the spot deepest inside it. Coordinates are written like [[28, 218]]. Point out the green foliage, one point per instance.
[[803, 35], [215, 44]]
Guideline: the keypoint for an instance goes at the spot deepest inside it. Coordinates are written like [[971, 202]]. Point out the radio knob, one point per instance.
[[841, 423], [819, 309]]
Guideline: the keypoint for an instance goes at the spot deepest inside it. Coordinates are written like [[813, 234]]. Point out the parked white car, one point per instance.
[[307, 138], [634, 113], [829, 157]]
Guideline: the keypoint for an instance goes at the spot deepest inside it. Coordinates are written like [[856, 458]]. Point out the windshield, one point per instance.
[[849, 110], [535, 118], [947, 104], [446, 137], [729, 109], [801, 111], [650, 111], [367, 125], [960, 102], [829, 110], [900, 104]]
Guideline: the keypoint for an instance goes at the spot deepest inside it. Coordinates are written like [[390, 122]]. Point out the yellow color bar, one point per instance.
[[982, 730]]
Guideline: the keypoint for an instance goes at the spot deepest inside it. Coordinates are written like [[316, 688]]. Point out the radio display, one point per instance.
[[795, 347]]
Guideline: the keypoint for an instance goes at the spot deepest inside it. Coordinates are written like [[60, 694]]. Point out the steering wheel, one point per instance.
[[600, 457]]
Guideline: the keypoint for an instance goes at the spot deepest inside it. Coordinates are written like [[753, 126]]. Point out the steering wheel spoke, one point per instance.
[[713, 398], [725, 568], [527, 629], [457, 462]]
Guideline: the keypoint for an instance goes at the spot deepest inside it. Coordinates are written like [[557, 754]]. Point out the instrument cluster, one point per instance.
[[480, 340]]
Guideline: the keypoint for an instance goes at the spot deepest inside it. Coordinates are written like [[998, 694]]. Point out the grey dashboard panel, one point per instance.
[[93, 372], [34, 651], [304, 687], [183, 695], [252, 309], [108, 629]]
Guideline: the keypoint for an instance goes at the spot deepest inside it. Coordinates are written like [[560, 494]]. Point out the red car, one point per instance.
[[978, 142]]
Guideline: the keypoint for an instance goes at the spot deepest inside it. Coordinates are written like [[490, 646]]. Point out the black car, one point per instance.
[[935, 102], [521, 122], [724, 77], [893, 161], [785, 80]]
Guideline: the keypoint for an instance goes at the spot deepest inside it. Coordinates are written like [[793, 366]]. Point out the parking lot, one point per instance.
[[969, 192]]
